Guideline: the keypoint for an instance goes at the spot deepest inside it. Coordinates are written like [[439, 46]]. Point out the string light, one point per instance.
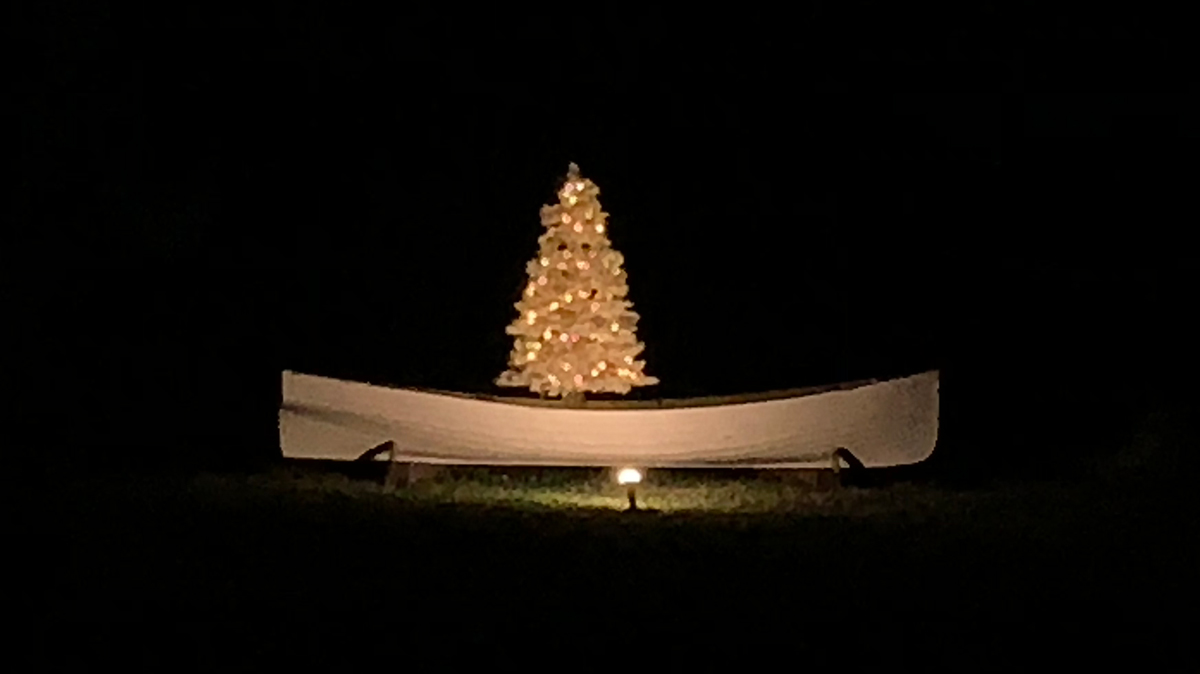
[[578, 379], [574, 338], [532, 355], [578, 227], [553, 379], [566, 367], [582, 264], [532, 316], [614, 326], [601, 365], [545, 262], [569, 297], [592, 255], [572, 199], [588, 214], [579, 186], [542, 280], [530, 290], [553, 306], [547, 334], [566, 218], [616, 272], [562, 266], [595, 372], [563, 337], [566, 255], [595, 306], [629, 360], [599, 229]]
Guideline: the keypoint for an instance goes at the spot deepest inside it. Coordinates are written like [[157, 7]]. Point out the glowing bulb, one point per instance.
[[629, 360], [562, 265], [572, 199], [566, 255], [529, 291], [569, 297], [547, 334], [566, 367], [592, 255], [532, 355], [581, 264], [542, 280], [545, 262], [588, 214], [629, 476], [553, 306], [601, 365], [574, 338], [599, 229], [614, 326], [563, 337], [579, 186], [595, 306], [616, 272], [578, 379], [595, 372], [566, 218], [578, 227], [553, 379]]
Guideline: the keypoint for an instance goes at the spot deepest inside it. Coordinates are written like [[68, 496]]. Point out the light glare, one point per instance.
[[629, 476]]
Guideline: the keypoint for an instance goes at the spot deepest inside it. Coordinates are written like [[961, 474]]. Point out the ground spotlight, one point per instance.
[[630, 477]]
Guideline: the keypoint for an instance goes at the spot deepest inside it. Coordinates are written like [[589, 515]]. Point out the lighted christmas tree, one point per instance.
[[575, 330]]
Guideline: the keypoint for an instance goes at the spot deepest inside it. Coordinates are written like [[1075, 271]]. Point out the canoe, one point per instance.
[[882, 423]]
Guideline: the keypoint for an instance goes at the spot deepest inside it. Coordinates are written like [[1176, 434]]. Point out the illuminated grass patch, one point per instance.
[[662, 491]]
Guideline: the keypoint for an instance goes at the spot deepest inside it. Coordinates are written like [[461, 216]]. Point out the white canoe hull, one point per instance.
[[886, 423]]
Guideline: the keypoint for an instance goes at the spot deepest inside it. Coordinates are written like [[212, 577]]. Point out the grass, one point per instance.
[[531, 556], [666, 492]]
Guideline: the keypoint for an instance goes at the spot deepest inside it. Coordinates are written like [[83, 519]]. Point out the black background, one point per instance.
[[207, 196]]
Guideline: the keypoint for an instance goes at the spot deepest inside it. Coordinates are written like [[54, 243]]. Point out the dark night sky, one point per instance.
[[851, 190]]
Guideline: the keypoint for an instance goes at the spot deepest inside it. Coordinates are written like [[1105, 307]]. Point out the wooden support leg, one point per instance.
[[421, 471], [394, 471], [407, 473], [852, 474]]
